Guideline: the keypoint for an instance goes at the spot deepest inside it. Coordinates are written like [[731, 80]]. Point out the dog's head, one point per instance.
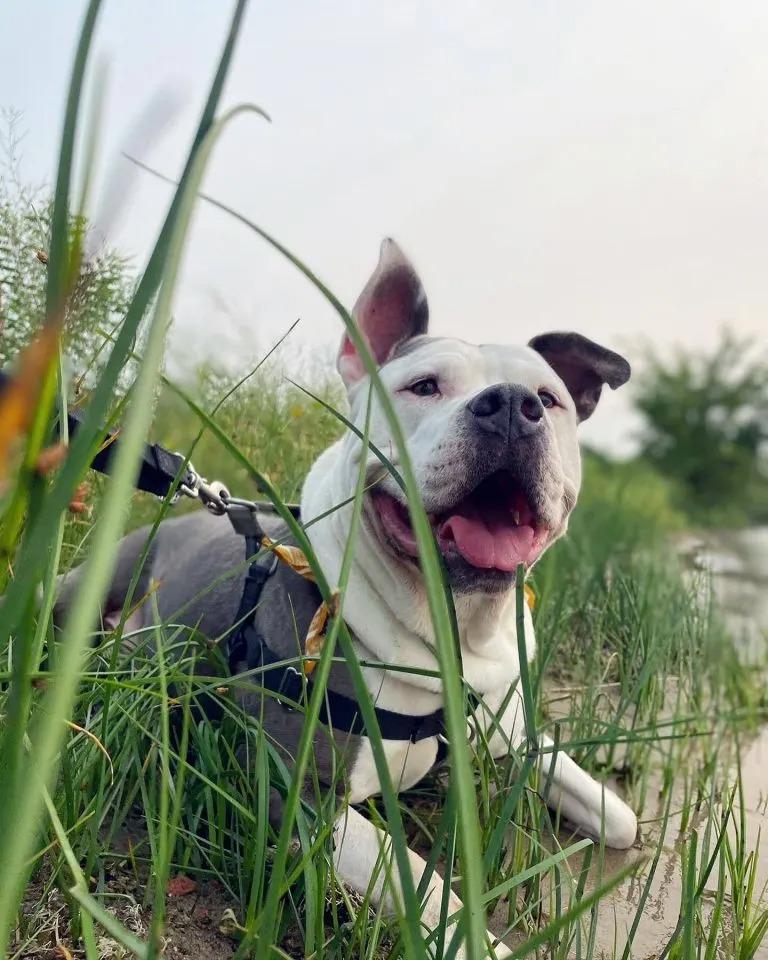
[[491, 430]]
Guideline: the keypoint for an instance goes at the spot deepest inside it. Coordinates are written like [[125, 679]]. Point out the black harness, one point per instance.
[[247, 646], [160, 472]]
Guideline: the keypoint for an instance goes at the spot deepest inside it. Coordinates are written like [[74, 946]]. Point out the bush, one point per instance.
[[707, 427], [101, 292]]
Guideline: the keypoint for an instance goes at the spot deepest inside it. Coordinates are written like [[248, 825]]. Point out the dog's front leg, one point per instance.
[[363, 859], [590, 806], [594, 809]]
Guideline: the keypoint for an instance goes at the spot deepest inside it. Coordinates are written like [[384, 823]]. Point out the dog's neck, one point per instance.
[[385, 604]]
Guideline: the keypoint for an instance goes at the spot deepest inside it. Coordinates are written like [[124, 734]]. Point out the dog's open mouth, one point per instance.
[[493, 528]]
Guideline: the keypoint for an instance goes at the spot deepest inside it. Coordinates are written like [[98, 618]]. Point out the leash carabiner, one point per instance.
[[213, 494]]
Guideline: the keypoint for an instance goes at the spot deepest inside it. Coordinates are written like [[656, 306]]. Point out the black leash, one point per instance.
[[159, 470]]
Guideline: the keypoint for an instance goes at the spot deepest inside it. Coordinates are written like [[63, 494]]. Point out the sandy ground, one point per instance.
[[662, 907], [739, 566]]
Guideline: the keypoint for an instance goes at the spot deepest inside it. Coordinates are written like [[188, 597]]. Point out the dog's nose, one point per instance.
[[507, 409]]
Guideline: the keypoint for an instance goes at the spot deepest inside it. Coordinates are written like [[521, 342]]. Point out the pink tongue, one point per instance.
[[494, 543]]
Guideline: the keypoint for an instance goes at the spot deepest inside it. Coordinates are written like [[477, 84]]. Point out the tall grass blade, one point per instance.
[[20, 817]]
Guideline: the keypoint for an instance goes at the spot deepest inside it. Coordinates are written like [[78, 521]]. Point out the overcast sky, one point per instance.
[[597, 166]]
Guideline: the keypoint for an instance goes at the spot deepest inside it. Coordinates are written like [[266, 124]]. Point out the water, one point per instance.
[[738, 563]]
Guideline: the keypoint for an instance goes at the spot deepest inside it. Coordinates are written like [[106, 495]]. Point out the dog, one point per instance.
[[492, 435]]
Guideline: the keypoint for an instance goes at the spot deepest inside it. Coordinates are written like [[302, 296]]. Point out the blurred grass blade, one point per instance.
[[553, 928], [59, 261], [338, 631], [89, 941], [110, 923], [21, 805], [385, 461], [529, 711], [58, 701], [89, 435]]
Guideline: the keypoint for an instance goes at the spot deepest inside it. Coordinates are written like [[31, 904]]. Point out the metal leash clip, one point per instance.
[[213, 494]]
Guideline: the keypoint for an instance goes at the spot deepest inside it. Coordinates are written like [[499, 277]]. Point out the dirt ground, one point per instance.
[[196, 923]]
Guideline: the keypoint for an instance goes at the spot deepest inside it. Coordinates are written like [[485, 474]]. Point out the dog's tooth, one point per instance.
[[516, 517]]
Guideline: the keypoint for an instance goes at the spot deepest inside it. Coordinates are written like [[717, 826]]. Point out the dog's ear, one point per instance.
[[583, 366], [391, 309]]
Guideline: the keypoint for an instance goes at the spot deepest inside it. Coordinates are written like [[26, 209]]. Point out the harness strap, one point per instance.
[[247, 645], [337, 710]]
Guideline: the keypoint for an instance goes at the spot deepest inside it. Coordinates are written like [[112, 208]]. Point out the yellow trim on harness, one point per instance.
[[297, 561], [313, 642]]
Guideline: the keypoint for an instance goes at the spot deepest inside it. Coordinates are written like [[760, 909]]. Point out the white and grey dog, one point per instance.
[[492, 434]]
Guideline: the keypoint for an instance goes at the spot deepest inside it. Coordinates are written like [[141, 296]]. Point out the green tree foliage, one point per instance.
[[707, 429]]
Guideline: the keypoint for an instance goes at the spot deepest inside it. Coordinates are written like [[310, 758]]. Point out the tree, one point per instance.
[[707, 429]]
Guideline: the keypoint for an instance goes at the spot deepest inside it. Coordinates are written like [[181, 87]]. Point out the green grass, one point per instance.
[[652, 690], [636, 676]]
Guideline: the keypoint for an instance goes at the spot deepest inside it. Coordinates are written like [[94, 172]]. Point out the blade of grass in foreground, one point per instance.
[[63, 267], [411, 902], [88, 934], [137, 423], [446, 646], [12, 759], [385, 461], [37, 377], [90, 433], [266, 925], [59, 261], [550, 932], [100, 799], [18, 819]]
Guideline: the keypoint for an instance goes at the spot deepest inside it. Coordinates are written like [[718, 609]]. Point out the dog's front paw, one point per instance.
[[620, 823]]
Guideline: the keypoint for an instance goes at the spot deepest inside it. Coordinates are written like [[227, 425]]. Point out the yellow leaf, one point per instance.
[[19, 397]]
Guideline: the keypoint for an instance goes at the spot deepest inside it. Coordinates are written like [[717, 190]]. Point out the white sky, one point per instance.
[[597, 166]]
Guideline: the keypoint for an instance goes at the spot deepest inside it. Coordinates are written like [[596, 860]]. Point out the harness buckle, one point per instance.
[[245, 522], [428, 725], [289, 673], [472, 734]]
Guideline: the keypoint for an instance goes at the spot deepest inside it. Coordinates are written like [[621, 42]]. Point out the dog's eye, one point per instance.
[[425, 388], [547, 399]]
